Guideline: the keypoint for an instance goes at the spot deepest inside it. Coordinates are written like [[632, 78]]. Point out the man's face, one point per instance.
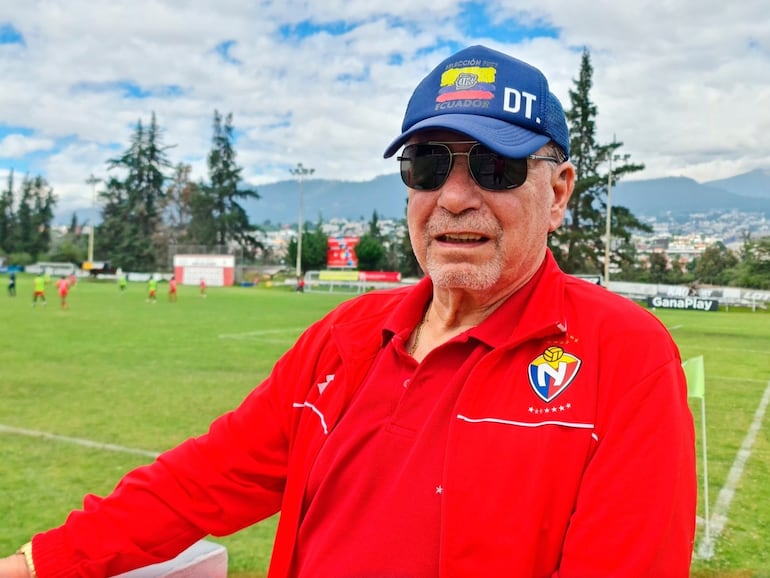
[[469, 238]]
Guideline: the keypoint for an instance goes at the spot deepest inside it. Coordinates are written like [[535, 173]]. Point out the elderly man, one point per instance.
[[500, 418]]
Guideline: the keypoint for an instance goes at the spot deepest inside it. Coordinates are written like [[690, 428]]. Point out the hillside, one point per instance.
[[279, 202], [755, 183], [682, 196], [749, 192]]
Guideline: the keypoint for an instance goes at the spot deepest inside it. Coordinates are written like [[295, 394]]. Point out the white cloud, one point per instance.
[[684, 85], [17, 145]]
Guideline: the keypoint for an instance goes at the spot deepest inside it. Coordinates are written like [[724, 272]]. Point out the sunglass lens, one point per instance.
[[425, 167], [495, 172]]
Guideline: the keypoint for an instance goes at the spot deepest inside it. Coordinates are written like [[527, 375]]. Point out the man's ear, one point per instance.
[[562, 183]]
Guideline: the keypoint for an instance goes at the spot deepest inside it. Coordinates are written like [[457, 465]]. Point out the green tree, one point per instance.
[[578, 244], [20, 258], [315, 246], [131, 217], [114, 231], [624, 223], [202, 228], [713, 264], [33, 217], [370, 253], [634, 270], [72, 247], [177, 206], [7, 217], [658, 271], [223, 194], [74, 228], [44, 204], [677, 273], [374, 226], [23, 234], [754, 269], [67, 251]]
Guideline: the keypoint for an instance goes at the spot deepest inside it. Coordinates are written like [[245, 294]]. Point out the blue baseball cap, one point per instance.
[[500, 101]]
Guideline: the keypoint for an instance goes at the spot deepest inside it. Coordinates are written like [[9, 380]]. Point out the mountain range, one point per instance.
[[673, 196], [680, 196], [386, 194]]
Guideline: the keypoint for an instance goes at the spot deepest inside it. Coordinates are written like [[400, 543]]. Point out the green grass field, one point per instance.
[[115, 369]]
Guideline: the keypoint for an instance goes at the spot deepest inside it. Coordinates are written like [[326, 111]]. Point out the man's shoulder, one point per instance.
[[601, 304]]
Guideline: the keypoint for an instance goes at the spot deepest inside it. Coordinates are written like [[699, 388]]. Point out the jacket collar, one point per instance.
[[535, 310]]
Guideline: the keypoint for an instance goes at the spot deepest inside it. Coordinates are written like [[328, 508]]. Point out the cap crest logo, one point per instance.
[[489, 97], [467, 83], [551, 372]]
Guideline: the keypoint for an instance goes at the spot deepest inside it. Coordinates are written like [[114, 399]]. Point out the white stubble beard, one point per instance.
[[463, 275]]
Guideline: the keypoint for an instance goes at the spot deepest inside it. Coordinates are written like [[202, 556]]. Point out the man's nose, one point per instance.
[[460, 192]]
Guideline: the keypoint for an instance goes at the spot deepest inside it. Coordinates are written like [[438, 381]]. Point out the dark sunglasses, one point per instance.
[[426, 167]]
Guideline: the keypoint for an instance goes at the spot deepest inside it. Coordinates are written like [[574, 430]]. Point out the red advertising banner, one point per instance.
[[361, 276], [380, 276], [341, 252]]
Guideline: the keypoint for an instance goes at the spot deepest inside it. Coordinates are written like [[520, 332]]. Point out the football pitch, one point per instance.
[[88, 392]]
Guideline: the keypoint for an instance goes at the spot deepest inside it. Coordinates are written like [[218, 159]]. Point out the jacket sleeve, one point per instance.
[[635, 512], [216, 484]]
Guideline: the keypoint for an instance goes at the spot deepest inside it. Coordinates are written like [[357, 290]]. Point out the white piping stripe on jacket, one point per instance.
[[525, 423]]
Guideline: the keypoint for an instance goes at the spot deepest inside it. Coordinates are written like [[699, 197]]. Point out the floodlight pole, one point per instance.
[[300, 172], [92, 180]]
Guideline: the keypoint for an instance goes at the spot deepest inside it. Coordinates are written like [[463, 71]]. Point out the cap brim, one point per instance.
[[502, 137]]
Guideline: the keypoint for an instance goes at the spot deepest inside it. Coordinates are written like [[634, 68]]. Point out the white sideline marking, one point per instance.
[[248, 334], [726, 494], [76, 441]]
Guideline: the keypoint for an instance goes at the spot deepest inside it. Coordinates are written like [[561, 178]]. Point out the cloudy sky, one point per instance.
[[684, 84]]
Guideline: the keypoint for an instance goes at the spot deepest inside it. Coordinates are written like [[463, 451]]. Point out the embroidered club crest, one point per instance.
[[468, 83], [551, 372]]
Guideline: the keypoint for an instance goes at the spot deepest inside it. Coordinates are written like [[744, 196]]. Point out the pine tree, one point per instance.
[[131, 217], [203, 228], [74, 229], [44, 202], [23, 239], [216, 206], [113, 232], [578, 244], [374, 226], [31, 224], [7, 217]]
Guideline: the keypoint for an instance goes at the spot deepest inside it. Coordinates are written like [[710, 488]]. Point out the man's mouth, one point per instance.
[[461, 238]]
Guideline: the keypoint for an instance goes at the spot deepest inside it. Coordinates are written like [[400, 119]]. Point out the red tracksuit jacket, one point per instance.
[[572, 453]]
